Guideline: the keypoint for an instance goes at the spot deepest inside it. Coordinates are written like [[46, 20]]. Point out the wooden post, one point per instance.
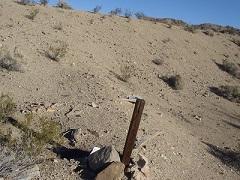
[[132, 132]]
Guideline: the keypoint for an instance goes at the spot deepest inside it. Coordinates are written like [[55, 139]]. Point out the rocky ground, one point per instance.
[[190, 133]]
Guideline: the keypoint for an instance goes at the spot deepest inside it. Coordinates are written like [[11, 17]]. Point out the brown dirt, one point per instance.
[[196, 127]]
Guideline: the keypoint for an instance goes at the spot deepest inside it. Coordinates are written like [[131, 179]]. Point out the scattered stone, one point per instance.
[[141, 169], [199, 118], [73, 135], [115, 171], [101, 158]]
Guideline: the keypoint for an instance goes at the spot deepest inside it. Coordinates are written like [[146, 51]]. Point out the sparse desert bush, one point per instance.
[[97, 9], [140, 15], [63, 4], [174, 81], [43, 2], [57, 50], [158, 61], [209, 32], [126, 73], [58, 26], [232, 93], [33, 142], [116, 12], [236, 41], [128, 13], [7, 107], [230, 68], [26, 2], [190, 28], [32, 14], [8, 62]]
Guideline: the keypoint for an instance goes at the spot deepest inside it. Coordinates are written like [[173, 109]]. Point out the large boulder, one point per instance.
[[115, 171]]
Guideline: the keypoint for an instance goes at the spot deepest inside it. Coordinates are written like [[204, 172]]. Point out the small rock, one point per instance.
[[143, 170], [73, 135], [94, 105], [198, 118], [115, 171], [101, 158]]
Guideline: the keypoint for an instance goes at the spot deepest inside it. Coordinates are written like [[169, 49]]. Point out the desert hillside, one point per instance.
[[190, 128]]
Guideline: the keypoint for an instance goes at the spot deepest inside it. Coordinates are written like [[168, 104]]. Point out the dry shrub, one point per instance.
[[26, 2], [8, 62], [190, 28], [32, 14], [232, 93], [43, 2], [7, 107], [209, 32], [126, 73], [63, 4], [58, 26], [97, 9], [140, 15], [231, 68], [116, 12], [236, 41], [57, 50], [174, 81]]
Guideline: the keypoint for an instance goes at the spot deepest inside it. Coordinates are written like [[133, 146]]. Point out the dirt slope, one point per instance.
[[97, 49]]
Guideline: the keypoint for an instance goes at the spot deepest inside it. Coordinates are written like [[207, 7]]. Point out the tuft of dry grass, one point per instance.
[[126, 73], [32, 14], [8, 62], [174, 81], [57, 50], [209, 32], [7, 107], [232, 93]]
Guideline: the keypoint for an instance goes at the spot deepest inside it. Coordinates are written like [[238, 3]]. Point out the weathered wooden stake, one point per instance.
[[132, 132]]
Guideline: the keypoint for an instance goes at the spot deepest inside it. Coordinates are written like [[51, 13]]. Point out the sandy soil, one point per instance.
[[194, 126]]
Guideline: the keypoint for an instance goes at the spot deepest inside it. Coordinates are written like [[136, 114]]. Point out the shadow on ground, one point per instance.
[[227, 156]]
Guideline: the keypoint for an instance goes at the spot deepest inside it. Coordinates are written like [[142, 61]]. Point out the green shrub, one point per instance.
[[33, 143]]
